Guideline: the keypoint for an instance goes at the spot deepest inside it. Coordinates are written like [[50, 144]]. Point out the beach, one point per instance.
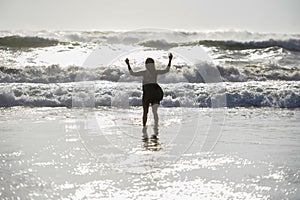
[[57, 153]]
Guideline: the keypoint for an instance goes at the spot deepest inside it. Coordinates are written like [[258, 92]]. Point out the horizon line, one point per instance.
[[151, 29]]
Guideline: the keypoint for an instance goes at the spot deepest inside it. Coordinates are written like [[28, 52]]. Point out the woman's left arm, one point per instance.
[[168, 67]]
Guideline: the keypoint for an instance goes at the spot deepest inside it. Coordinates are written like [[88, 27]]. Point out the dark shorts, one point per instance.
[[152, 93]]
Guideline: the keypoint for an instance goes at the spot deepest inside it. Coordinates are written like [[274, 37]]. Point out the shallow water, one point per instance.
[[60, 153]]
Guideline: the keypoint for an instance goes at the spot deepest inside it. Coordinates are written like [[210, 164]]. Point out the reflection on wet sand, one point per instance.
[[152, 143]]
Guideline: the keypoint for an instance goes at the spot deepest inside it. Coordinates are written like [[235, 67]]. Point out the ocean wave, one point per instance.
[[16, 41], [149, 38], [264, 72], [281, 94], [291, 44], [167, 39], [158, 44], [172, 36], [178, 73], [166, 44], [57, 74]]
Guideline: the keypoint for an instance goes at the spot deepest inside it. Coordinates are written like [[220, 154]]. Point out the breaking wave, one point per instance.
[[291, 44], [16, 41], [231, 40], [248, 94], [178, 73]]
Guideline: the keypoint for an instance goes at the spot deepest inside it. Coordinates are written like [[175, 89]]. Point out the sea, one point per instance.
[[253, 69], [70, 122]]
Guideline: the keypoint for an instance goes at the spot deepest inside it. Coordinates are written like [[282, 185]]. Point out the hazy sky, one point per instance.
[[251, 15]]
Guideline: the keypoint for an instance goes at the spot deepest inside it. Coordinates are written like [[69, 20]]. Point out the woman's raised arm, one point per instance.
[[163, 71], [140, 73]]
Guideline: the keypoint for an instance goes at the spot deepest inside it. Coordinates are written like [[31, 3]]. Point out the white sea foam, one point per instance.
[[104, 93], [180, 72]]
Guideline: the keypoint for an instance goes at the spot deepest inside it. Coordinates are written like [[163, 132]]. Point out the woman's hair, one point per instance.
[[149, 60]]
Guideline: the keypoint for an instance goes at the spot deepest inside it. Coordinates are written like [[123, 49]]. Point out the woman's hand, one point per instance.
[[128, 65], [170, 59], [127, 61], [170, 56]]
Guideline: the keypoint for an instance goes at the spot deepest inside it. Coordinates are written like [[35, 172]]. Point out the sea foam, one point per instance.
[[103, 93], [178, 73]]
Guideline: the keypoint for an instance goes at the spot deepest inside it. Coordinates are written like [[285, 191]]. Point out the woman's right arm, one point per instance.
[[140, 73]]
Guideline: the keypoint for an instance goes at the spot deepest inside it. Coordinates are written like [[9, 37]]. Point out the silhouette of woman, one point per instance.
[[152, 92]]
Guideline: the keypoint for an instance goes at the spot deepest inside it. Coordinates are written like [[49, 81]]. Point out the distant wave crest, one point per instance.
[[16, 41], [291, 44], [160, 40]]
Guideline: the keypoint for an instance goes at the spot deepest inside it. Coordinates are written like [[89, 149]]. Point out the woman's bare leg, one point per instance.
[[155, 115], [145, 113]]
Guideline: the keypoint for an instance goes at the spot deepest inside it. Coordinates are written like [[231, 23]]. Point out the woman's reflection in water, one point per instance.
[[152, 143]]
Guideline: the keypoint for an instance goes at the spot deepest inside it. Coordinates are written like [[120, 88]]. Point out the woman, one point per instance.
[[152, 92]]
